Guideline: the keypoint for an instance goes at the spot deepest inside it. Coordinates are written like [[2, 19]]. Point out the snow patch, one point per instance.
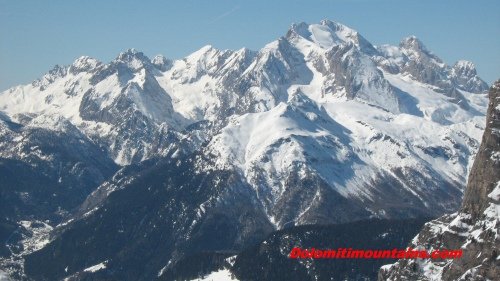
[[221, 275], [96, 267]]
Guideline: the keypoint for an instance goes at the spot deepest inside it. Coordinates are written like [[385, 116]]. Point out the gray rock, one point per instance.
[[474, 229]]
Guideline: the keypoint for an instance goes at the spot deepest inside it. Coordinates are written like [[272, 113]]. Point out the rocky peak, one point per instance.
[[336, 26], [412, 43], [56, 72], [84, 64], [161, 62], [465, 77], [125, 65], [133, 59], [416, 50], [465, 68], [328, 33], [203, 52], [300, 28]]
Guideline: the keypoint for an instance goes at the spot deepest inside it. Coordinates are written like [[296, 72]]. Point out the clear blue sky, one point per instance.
[[35, 35]]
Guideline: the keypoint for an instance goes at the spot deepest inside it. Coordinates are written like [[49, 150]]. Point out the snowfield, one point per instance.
[[221, 275]]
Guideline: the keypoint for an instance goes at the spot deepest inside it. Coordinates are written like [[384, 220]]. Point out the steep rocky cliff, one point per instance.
[[474, 229]]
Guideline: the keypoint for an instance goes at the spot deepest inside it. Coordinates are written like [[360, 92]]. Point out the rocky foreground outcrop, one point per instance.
[[474, 229]]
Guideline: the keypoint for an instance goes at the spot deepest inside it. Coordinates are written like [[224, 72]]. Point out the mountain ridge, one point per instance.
[[316, 122]]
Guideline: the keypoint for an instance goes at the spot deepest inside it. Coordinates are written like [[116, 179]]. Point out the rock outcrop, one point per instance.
[[474, 229]]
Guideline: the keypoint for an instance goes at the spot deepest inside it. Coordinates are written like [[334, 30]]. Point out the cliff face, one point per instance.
[[474, 229], [485, 173]]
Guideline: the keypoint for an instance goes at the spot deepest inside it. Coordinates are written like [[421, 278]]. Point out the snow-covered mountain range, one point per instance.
[[319, 126]]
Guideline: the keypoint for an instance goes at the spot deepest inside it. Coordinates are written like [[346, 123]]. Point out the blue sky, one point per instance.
[[35, 35]]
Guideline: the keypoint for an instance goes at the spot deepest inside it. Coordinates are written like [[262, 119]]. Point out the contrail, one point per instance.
[[224, 15]]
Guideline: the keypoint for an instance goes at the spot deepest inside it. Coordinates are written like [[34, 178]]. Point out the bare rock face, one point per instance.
[[474, 229], [485, 173], [465, 76]]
